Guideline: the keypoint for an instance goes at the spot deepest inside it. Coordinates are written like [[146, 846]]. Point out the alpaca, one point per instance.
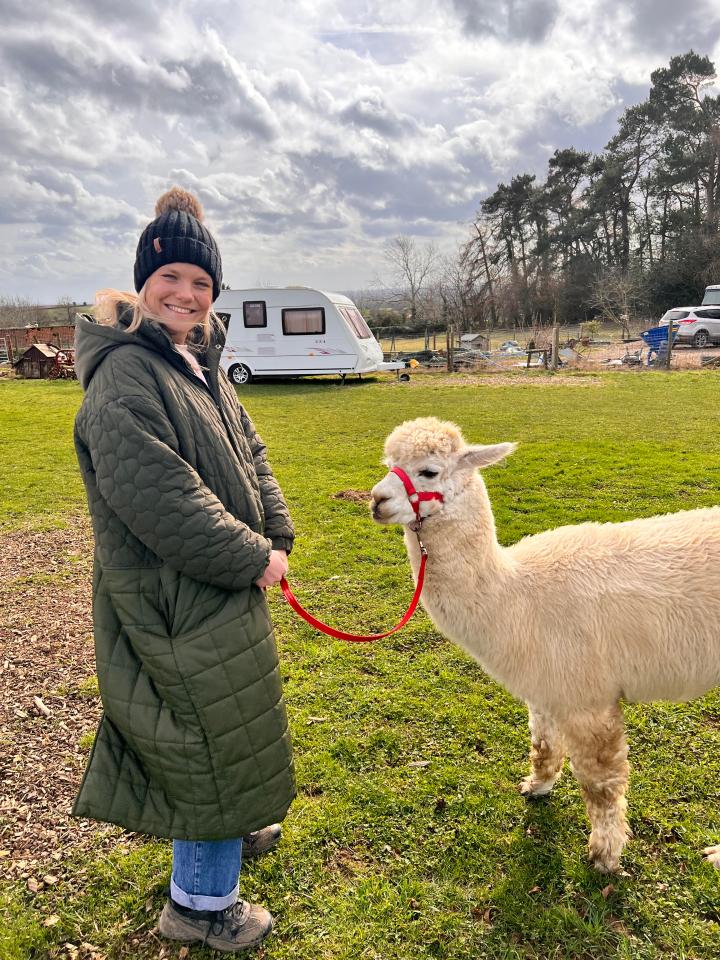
[[571, 621]]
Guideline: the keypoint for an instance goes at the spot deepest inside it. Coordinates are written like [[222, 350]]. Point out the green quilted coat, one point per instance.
[[194, 742]]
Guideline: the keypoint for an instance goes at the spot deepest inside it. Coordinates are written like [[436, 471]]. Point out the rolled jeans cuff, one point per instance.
[[198, 902]]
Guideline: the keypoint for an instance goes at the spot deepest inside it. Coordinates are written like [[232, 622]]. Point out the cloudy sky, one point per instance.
[[312, 131]]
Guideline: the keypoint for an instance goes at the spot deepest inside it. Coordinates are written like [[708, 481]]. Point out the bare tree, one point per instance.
[[19, 312], [456, 288], [619, 297], [412, 266], [69, 305]]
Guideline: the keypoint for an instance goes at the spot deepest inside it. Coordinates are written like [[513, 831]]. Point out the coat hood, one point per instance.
[[94, 341]]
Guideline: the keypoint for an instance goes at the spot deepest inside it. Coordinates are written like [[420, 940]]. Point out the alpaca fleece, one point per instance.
[[572, 621]]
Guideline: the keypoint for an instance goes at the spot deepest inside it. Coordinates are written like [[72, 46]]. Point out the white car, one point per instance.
[[698, 326]]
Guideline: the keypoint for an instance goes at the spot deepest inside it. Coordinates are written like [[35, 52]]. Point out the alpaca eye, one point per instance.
[[429, 474]]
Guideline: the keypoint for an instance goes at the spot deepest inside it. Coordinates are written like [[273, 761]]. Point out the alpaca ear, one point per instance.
[[477, 458]]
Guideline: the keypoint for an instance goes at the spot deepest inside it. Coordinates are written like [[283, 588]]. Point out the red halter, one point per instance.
[[415, 499], [414, 496]]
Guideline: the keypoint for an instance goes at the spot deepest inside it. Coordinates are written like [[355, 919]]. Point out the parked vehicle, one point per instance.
[[712, 295], [295, 331], [698, 326]]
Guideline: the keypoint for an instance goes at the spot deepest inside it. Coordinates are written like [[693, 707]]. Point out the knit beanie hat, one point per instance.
[[177, 235]]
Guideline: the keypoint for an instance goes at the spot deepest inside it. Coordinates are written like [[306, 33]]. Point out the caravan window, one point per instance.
[[299, 321], [254, 313], [357, 322]]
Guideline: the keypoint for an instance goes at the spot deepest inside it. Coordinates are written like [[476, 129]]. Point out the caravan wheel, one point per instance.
[[239, 374]]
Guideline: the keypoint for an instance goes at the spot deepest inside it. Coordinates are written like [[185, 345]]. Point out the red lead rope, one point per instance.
[[415, 499], [356, 637]]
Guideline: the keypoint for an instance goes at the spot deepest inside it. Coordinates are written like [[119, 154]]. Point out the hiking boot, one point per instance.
[[239, 927], [261, 841]]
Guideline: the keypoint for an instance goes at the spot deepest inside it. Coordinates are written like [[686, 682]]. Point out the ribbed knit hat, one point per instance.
[[177, 235]]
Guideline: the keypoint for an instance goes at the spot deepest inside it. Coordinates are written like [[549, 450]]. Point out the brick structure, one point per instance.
[[18, 339]]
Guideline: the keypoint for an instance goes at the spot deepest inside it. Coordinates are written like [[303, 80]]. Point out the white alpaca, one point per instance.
[[572, 621]]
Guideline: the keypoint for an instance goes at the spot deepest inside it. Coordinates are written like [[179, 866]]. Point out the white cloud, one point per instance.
[[311, 129]]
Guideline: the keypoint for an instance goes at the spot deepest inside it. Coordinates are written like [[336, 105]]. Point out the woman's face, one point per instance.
[[179, 294]]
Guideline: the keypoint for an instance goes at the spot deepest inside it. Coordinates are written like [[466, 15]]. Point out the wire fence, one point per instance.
[[580, 348]]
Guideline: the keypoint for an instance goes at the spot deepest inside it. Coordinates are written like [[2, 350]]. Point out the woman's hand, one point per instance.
[[275, 570]]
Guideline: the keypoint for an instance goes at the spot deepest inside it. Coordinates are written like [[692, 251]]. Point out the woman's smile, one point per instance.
[[174, 307]]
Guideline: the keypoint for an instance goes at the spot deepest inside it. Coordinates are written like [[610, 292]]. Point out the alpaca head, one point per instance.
[[435, 456]]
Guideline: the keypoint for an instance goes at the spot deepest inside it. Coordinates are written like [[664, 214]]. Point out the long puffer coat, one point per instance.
[[194, 741]]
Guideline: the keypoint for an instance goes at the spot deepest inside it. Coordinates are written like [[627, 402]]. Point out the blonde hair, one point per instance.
[[109, 303]]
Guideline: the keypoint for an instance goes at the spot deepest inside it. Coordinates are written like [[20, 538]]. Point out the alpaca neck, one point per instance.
[[465, 569], [461, 536]]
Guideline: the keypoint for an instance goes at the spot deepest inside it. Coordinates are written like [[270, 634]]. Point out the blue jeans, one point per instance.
[[205, 873]]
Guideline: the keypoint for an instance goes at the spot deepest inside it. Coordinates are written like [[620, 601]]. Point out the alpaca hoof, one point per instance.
[[604, 851], [711, 855], [530, 787], [603, 859]]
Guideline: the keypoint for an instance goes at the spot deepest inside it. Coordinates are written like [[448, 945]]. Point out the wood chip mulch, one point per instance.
[[48, 701]]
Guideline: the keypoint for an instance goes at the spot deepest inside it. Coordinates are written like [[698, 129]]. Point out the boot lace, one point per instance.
[[235, 915]]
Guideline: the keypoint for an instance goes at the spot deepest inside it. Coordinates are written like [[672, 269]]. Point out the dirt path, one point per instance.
[[48, 699]]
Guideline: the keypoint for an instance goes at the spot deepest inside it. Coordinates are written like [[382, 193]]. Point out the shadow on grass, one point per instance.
[[548, 906], [320, 382]]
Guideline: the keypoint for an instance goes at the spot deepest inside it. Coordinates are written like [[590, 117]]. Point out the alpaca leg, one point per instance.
[[547, 754], [712, 856], [598, 756]]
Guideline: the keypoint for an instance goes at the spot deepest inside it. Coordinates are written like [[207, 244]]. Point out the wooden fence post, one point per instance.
[[449, 347], [669, 346], [555, 347]]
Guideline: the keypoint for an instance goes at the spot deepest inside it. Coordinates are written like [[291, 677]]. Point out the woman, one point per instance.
[[190, 528]]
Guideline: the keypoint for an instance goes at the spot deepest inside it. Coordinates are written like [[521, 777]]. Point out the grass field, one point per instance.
[[384, 857]]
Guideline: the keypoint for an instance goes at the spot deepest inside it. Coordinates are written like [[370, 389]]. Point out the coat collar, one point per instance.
[[93, 341]]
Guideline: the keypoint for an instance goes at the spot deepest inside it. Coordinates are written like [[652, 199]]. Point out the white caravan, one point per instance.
[[292, 331]]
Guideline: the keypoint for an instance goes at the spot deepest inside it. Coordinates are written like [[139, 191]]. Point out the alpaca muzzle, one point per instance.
[[415, 498]]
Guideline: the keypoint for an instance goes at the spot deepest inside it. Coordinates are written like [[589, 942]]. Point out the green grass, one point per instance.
[[383, 859], [39, 481]]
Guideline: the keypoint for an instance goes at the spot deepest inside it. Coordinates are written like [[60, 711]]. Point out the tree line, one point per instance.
[[623, 234]]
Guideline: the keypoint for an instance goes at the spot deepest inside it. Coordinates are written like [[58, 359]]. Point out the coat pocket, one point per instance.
[[142, 649], [187, 604], [144, 688]]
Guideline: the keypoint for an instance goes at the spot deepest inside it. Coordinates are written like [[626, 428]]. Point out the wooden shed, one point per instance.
[[475, 341], [37, 361]]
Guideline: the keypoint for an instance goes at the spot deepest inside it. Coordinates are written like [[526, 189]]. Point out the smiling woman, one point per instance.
[[190, 529]]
